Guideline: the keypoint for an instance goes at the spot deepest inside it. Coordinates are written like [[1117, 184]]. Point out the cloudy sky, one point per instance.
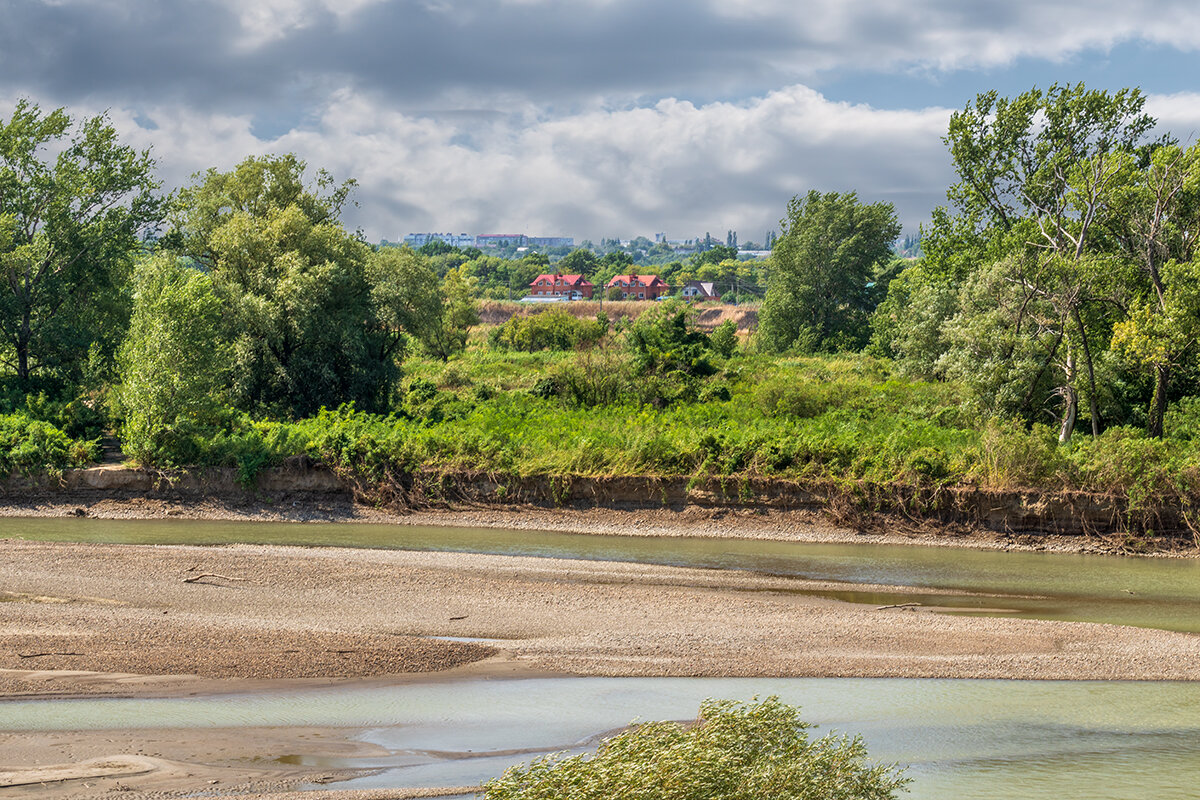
[[587, 118]]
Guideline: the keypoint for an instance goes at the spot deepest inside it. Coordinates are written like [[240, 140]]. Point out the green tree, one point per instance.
[[294, 282], [409, 300], [578, 262], [664, 340], [72, 202], [436, 247], [818, 296], [1156, 221], [714, 255], [1033, 217], [723, 339], [733, 751], [173, 364], [405, 298], [908, 325], [460, 313]]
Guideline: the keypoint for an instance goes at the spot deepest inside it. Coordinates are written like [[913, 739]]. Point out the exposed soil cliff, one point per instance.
[[858, 505]]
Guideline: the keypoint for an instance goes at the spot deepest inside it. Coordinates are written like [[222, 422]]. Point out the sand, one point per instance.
[[91, 619]]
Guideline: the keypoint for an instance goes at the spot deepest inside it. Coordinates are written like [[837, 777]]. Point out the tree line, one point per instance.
[[1057, 285]]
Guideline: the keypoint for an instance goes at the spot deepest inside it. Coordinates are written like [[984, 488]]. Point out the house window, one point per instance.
[[641, 295]]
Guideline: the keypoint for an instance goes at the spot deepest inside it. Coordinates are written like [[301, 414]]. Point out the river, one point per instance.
[[958, 739]]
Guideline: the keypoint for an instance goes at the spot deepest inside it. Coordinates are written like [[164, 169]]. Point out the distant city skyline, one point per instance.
[[583, 119]]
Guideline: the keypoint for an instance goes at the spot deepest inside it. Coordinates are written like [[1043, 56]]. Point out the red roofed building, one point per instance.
[[555, 285], [639, 287]]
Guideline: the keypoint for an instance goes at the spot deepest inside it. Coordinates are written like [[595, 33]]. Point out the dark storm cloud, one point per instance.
[[581, 117], [262, 56], [559, 52], [193, 53], [150, 52]]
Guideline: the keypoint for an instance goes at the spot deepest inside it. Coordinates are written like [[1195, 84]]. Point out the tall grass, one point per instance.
[[590, 413]]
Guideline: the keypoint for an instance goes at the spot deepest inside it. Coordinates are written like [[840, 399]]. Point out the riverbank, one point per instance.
[[777, 510]]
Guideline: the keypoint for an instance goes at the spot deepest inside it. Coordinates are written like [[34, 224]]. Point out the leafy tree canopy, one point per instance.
[[294, 281], [819, 292], [69, 224]]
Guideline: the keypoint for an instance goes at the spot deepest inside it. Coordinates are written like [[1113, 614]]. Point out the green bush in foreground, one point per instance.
[[735, 751]]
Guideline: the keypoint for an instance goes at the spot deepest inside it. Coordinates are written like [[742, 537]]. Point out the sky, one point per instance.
[[585, 118]]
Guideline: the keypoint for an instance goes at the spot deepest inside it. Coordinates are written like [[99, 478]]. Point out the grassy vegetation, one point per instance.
[[605, 410], [833, 419]]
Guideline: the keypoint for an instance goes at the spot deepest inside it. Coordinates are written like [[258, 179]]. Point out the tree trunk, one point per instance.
[[1070, 401], [1093, 409], [23, 337], [1158, 405], [1070, 412]]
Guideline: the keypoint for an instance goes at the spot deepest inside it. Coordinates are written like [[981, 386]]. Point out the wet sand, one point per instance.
[[130, 620], [269, 612]]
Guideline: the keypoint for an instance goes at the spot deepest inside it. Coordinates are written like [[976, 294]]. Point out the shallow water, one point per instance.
[[960, 739], [993, 740], [1156, 593]]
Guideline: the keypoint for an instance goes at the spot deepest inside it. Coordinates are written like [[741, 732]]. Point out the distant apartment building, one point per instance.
[[551, 241], [501, 240], [415, 240]]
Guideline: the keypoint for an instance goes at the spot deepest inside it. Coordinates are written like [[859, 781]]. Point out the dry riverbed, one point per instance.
[[84, 619]]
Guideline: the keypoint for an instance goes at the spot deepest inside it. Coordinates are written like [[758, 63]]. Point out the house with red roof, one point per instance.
[[639, 287], [571, 287]]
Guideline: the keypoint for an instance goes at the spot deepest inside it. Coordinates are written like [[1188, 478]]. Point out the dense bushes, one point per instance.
[[734, 750], [29, 445], [655, 398], [552, 329]]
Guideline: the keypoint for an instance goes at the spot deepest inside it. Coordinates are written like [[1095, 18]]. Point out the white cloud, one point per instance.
[[264, 21], [1177, 113], [675, 166], [953, 34]]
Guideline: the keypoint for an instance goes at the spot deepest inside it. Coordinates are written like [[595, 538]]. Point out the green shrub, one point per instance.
[[30, 446], [1011, 457], [664, 340], [1126, 462], [723, 339], [733, 751], [80, 417], [551, 329]]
